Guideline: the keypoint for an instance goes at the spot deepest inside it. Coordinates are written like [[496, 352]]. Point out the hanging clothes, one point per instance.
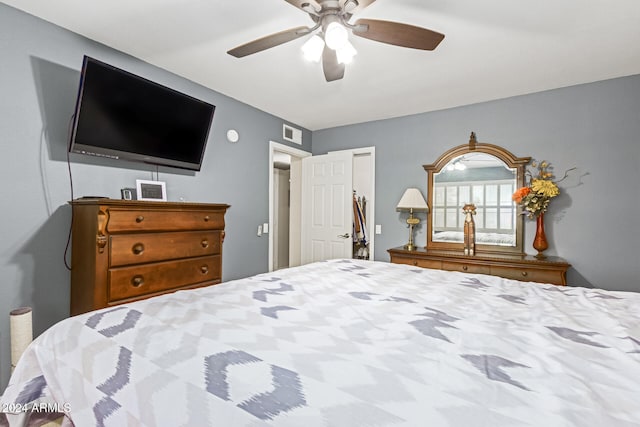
[[356, 222], [360, 235]]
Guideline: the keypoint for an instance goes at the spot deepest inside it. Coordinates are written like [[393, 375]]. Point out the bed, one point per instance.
[[343, 343]]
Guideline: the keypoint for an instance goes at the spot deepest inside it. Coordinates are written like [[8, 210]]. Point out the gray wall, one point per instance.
[[595, 127], [39, 74]]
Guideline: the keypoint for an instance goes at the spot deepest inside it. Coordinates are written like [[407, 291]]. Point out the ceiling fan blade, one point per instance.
[[309, 6], [398, 34], [267, 42], [354, 6], [333, 70]]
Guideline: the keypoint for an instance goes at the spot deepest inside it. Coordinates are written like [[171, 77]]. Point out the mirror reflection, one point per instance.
[[485, 181]]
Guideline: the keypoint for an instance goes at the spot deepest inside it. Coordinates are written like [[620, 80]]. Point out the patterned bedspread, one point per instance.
[[344, 343]]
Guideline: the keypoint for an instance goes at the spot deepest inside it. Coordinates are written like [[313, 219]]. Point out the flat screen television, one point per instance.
[[123, 116]]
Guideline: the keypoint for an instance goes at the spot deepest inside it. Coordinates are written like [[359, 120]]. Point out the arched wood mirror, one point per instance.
[[485, 175]]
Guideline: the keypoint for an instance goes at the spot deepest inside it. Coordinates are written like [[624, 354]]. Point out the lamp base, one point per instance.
[[412, 221]]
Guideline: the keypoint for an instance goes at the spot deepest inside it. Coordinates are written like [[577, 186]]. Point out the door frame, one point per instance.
[[294, 152]]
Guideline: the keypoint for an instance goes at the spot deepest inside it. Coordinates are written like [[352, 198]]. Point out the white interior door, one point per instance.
[[327, 207]]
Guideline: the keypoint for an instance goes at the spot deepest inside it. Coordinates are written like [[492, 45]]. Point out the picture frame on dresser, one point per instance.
[[151, 191]]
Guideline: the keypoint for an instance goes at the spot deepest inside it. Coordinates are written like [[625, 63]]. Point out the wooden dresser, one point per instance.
[[125, 250], [524, 268]]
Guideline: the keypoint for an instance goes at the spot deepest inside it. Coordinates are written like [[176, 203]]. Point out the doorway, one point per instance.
[[286, 201], [285, 191]]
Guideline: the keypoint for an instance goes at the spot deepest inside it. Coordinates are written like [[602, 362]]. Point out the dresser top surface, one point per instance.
[[141, 204]]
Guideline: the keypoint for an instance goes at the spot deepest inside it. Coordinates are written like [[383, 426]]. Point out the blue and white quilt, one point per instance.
[[343, 343]]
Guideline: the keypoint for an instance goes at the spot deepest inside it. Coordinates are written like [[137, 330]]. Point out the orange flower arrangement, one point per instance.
[[520, 194], [535, 197]]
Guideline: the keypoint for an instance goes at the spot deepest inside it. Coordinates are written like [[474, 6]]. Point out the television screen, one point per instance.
[[123, 116]]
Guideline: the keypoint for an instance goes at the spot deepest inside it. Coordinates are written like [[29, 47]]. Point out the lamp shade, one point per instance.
[[336, 35], [313, 48], [412, 199], [346, 53]]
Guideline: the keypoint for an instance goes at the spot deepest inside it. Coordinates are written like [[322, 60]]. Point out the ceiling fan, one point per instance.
[[332, 18]]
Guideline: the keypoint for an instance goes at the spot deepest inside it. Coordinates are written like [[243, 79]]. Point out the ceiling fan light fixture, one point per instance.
[[336, 35], [313, 48], [346, 53], [457, 165]]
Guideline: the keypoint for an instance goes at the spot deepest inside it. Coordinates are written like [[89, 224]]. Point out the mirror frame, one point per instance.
[[517, 163]]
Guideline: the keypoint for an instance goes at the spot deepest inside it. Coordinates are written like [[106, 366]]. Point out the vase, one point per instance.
[[540, 242]]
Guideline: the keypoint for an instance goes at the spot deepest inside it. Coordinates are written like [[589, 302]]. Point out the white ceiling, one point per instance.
[[493, 49]]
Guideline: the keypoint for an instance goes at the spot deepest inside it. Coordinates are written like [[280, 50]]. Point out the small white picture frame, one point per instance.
[[153, 191]]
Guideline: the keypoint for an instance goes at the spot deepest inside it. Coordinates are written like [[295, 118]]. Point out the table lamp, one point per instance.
[[412, 200]]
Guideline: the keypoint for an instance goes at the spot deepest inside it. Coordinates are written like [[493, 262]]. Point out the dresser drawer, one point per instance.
[[127, 249], [466, 268], [162, 220], [529, 274], [417, 262], [136, 281], [516, 267]]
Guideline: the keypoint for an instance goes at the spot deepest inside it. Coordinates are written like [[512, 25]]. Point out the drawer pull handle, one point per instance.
[[204, 269], [415, 263], [139, 218], [137, 249], [525, 274], [137, 281], [205, 243], [207, 218], [465, 268]]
